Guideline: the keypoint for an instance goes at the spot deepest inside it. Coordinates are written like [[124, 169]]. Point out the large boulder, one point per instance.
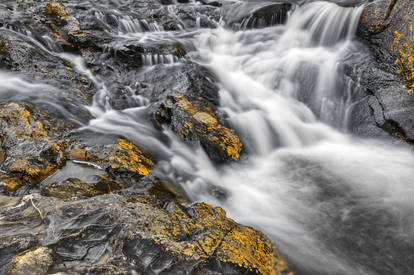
[[385, 28], [193, 120], [130, 234]]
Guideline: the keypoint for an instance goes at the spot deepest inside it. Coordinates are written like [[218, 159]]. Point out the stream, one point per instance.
[[331, 202]]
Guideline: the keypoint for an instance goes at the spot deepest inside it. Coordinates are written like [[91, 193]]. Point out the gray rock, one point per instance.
[[387, 101]]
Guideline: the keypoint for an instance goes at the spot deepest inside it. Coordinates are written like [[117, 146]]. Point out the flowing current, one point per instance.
[[331, 202]]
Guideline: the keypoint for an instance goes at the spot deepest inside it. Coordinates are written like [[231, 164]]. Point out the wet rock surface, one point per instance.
[[76, 200], [197, 122], [248, 15], [386, 103], [130, 232]]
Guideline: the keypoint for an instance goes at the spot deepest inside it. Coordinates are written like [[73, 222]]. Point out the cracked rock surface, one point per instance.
[[384, 105]]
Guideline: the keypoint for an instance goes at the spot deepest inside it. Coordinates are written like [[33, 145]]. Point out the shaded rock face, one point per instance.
[[385, 101], [124, 233], [75, 201], [248, 15]]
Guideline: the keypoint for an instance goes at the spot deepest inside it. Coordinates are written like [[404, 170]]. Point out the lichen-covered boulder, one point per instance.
[[31, 144], [128, 233], [384, 102], [197, 122], [120, 155]]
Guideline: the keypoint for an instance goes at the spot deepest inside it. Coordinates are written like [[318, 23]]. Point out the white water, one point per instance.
[[300, 174], [304, 180]]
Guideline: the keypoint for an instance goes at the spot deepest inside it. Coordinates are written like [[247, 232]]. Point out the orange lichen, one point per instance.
[[4, 46], [12, 184], [72, 188], [210, 234], [222, 137], [22, 123], [121, 155], [403, 46], [130, 157], [56, 9], [19, 115]]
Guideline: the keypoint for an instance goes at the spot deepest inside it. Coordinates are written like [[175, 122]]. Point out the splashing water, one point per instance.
[[329, 200], [332, 203]]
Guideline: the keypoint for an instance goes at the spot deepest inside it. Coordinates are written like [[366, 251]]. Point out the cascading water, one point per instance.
[[331, 202]]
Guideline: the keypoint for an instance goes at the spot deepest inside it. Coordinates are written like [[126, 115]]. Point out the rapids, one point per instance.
[[332, 202]]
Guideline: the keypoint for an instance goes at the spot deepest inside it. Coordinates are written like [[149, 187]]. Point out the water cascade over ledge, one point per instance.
[[332, 202]]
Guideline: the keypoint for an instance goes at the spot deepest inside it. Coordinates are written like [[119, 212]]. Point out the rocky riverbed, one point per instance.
[[98, 97]]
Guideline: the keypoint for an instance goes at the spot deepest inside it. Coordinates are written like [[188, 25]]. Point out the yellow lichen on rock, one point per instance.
[[56, 9], [31, 146], [26, 125], [403, 46], [259, 254], [130, 157], [209, 233], [121, 155], [12, 183], [40, 169], [35, 261], [212, 132]]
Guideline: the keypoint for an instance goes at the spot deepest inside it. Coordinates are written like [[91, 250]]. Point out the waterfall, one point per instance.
[[305, 184], [310, 186], [333, 203]]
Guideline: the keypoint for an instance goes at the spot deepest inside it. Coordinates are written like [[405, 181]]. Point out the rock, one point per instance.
[[127, 233], [18, 230], [75, 188], [12, 245], [191, 79], [197, 122], [248, 15], [57, 80], [380, 20], [211, 3], [119, 157], [34, 147], [32, 144], [386, 95], [110, 214], [36, 262]]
